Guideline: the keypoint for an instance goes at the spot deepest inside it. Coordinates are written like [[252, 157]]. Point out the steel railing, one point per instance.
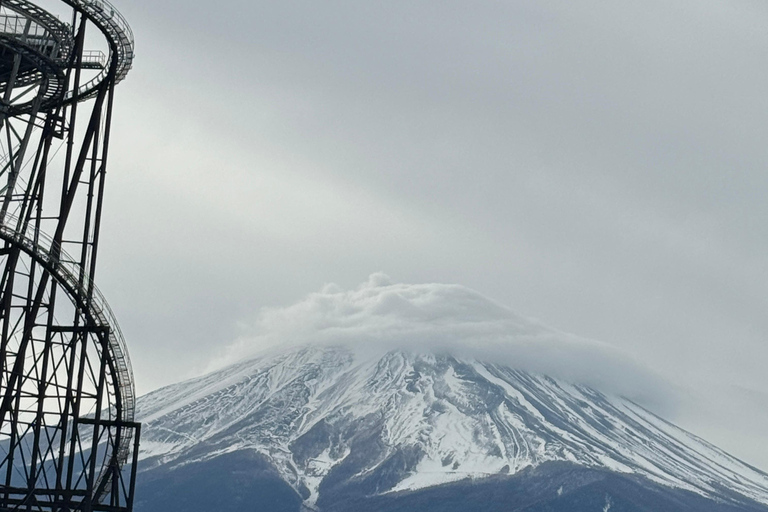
[[67, 272]]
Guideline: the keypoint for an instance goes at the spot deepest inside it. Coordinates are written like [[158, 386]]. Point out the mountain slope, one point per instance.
[[328, 427]]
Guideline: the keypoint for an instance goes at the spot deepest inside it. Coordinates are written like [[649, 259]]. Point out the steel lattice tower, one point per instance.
[[67, 436]]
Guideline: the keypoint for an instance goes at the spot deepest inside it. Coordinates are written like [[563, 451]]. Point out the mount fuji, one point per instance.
[[331, 427]]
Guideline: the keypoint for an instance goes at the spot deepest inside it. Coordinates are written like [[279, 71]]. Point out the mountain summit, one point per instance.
[[396, 397], [330, 428]]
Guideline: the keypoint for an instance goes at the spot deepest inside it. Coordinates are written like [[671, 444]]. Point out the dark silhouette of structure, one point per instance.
[[67, 436]]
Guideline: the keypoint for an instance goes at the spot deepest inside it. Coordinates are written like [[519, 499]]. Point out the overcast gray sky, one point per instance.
[[600, 166]]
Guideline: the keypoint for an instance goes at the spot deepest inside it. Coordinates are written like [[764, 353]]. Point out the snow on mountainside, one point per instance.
[[328, 415]]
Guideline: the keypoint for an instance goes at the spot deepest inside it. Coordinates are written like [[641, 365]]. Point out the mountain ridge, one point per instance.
[[331, 422]]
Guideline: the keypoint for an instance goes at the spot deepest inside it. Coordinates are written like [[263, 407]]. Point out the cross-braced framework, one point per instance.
[[67, 436]]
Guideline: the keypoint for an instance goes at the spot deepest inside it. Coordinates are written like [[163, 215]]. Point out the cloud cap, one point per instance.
[[380, 316]]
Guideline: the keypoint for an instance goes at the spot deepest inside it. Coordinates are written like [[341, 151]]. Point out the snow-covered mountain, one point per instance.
[[331, 428]]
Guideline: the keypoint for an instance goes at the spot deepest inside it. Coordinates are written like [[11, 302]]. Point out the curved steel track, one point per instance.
[[68, 440]]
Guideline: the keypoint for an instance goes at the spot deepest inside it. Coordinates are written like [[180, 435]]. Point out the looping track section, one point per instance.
[[68, 440]]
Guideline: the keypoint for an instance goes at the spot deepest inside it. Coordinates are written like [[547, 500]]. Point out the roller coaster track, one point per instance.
[[65, 269], [52, 43], [117, 31], [68, 440]]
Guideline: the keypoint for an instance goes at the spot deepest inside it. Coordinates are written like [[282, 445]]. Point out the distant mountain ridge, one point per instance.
[[326, 428]]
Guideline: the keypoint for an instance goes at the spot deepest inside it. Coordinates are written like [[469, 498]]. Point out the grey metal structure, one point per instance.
[[68, 440]]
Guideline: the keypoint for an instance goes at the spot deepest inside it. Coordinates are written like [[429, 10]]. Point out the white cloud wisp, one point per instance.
[[380, 316]]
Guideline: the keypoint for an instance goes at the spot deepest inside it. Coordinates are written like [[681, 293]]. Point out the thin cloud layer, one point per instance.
[[380, 316]]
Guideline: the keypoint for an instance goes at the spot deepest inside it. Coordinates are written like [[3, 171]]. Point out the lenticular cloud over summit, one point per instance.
[[380, 316], [395, 396]]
